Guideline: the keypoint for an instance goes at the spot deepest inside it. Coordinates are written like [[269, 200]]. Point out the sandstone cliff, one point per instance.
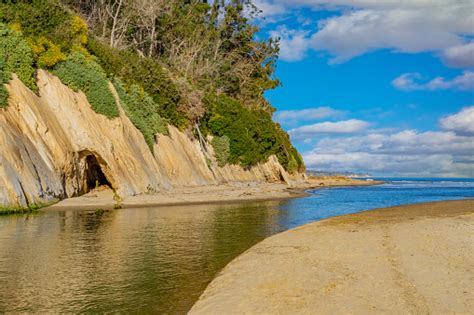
[[54, 146]]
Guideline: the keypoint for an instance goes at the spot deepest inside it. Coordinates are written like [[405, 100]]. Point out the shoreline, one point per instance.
[[226, 193], [405, 259]]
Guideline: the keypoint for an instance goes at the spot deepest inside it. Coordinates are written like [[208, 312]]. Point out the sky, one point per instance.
[[378, 86]]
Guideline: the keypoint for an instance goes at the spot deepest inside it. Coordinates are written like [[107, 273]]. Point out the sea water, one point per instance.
[[329, 202]]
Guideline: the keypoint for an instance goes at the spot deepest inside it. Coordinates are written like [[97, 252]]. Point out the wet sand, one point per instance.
[[414, 259], [103, 198]]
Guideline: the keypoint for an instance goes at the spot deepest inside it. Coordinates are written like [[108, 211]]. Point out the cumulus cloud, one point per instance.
[[449, 152], [339, 127], [461, 56], [415, 81], [361, 4], [293, 44], [462, 123], [404, 153], [404, 29], [268, 8], [404, 26], [293, 116]]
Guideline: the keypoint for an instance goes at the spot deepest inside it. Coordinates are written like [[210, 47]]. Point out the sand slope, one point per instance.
[[415, 259]]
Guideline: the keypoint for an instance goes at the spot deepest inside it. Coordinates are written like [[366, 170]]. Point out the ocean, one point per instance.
[[329, 202]]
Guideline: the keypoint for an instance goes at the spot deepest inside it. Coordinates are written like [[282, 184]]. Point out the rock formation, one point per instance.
[[54, 146]]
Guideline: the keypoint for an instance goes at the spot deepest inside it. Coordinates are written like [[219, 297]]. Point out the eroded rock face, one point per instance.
[[55, 146]]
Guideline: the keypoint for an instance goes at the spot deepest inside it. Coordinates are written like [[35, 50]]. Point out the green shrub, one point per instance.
[[145, 72], [4, 78], [242, 125], [292, 165], [36, 18], [142, 111], [79, 30], [299, 159], [17, 57], [46, 53], [79, 73], [3, 96], [221, 147], [252, 134], [50, 28]]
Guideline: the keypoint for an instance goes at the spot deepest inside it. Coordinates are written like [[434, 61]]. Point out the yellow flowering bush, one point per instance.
[[79, 29], [46, 54]]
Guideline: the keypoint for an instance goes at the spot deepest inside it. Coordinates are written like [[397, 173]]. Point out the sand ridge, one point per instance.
[[415, 259]]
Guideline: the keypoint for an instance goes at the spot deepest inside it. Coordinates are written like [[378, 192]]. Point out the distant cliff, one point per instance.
[[55, 146]]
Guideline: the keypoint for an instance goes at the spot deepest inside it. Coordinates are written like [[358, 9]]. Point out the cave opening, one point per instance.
[[282, 177], [94, 177]]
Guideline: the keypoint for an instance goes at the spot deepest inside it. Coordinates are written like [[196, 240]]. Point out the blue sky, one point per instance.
[[385, 87]]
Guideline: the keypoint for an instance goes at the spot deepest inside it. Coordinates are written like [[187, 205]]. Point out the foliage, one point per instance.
[[79, 30], [46, 53], [146, 73], [221, 147], [172, 61], [292, 166], [79, 73], [142, 111], [287, 152], [253, 136], [31, 208], [210, 44], [50, 28], [17, 57], [45, 18], [4, 78]]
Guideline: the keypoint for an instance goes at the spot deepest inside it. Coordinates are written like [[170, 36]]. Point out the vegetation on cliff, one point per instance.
[[192, 64], [142, 111], [15, 57], [79, 73]]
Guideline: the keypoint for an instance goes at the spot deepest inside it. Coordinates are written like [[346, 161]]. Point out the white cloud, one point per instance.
[[406, 153], [411, 29], [414, 81], [461, 56], [269, 8], [393, 165], [409, 26], [339, 127], [293, 116], [462, 123], [293, 43], [361, 4]]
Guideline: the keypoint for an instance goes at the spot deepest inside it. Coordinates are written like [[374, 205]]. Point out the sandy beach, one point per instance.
[[414, 259], [103, 198]]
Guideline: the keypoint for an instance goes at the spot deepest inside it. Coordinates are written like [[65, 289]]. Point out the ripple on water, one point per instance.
[[161, 259]]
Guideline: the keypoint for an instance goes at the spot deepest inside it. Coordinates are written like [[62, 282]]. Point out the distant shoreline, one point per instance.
[[405, 259], [227, 193]]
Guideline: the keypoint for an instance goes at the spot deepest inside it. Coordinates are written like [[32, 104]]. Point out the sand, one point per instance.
[[415, 259], [103, 198]]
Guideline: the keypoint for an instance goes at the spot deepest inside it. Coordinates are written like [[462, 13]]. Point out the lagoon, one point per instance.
[[161, 259]]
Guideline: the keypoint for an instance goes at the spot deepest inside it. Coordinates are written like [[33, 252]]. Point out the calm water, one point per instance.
[[159, 260]]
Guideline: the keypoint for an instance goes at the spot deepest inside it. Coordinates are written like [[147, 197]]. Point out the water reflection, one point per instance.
[[159, 260], [131, 260]]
